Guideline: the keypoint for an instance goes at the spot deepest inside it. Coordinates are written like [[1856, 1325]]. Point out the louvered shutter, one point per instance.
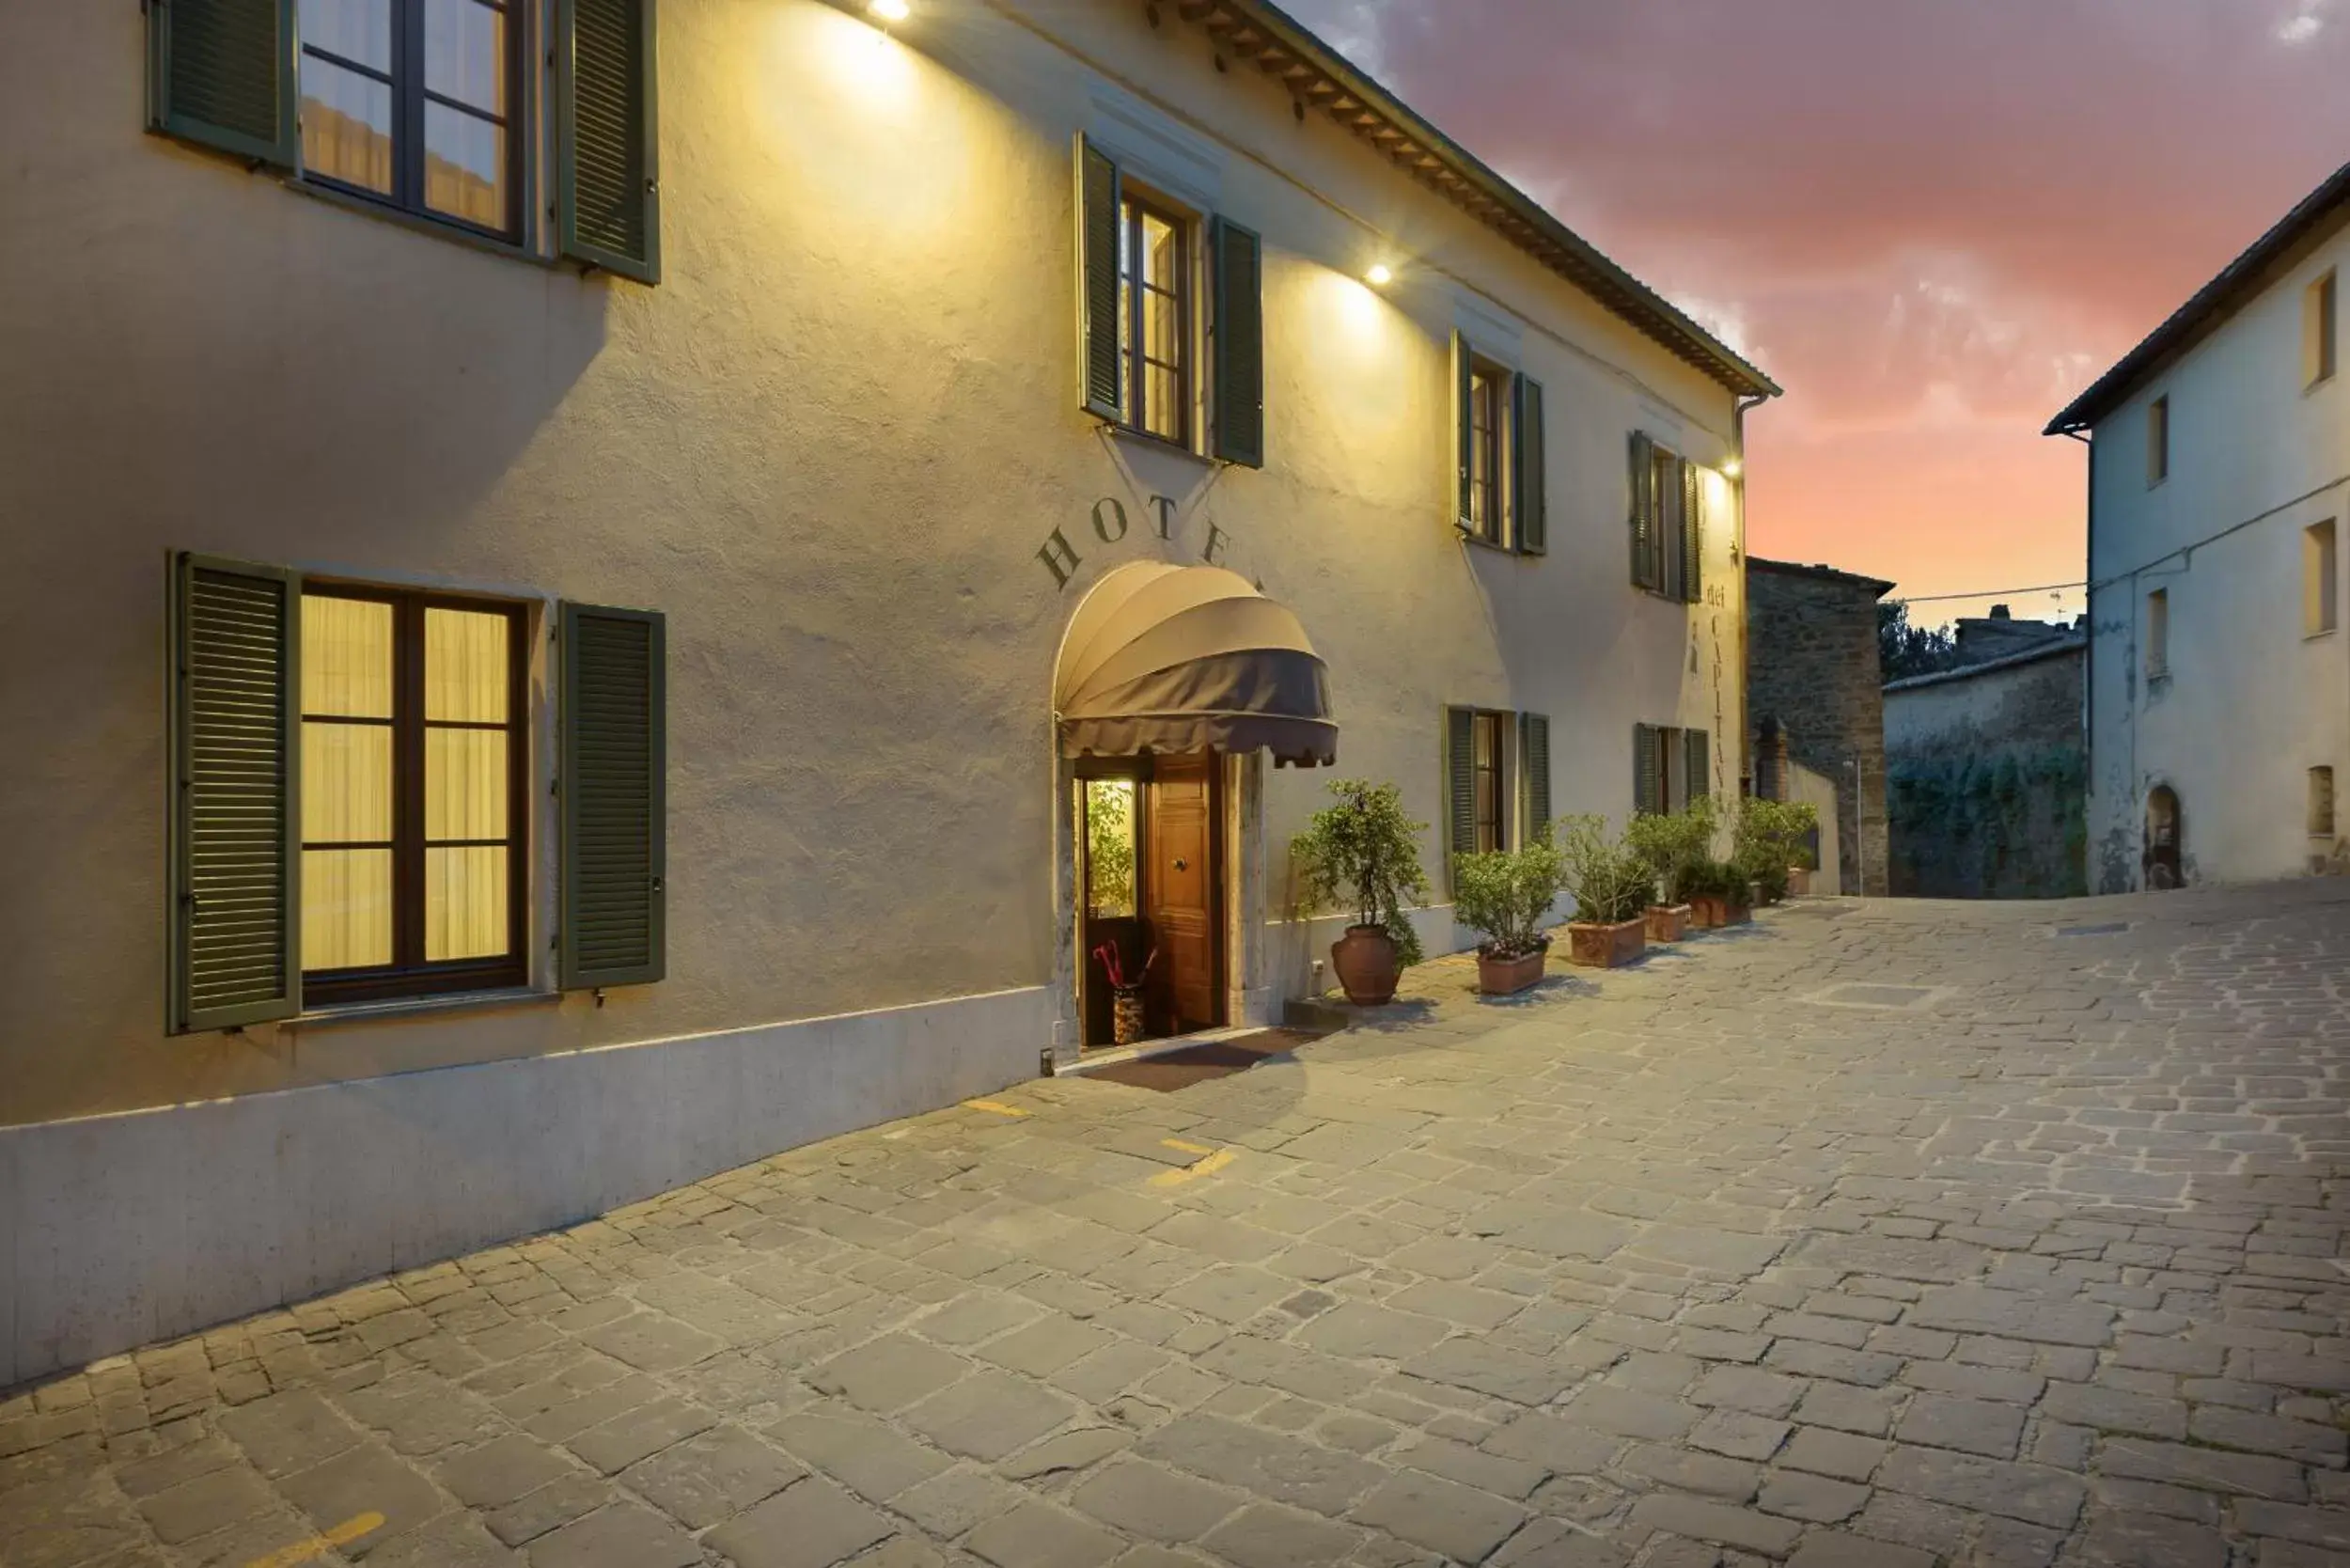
[[1464, 427], [1644, 564], [235, 878], [1692, 530], [1100, 369], [607, 179], [1698, 748], [1460, 780], [1236, 258], [1534, 746], [220, 73], [614, 797], [1529, 468], [1646, 787]]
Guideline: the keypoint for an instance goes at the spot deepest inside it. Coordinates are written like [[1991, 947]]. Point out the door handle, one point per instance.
[[1181, 865]]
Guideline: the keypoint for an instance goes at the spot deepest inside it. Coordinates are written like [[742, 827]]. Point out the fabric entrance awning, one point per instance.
[[1177, 659]]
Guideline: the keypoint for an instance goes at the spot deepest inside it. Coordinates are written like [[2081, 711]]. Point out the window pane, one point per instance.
[[465, 165], [1163, 405], [359, 30], [346, 126], [1111, 848], [464, 784], [345, 656], [465, 903], [1158, 251], [346, 908], [347, 783], [465, 53], [465, 667]]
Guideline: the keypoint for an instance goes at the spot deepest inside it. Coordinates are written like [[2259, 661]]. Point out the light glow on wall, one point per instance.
[[891, 11], [1380, 275]]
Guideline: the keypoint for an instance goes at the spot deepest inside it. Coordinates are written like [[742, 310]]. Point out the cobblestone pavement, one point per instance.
[[1876, 1235]]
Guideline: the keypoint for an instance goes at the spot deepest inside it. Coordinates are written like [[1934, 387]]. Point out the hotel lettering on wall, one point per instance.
[[1109, 523]]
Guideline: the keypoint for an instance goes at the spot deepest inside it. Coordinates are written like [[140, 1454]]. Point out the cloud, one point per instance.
[[1922, 216]]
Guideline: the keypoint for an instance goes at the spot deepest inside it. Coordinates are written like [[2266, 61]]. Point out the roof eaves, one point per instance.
[[1800, 569], [1316, 73], [2183, 328]]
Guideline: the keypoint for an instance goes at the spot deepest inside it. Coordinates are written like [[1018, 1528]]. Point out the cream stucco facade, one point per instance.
[[833, 446], [2244, 687]]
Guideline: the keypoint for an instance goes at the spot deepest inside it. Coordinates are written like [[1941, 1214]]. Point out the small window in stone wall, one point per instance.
[[2321, 803]]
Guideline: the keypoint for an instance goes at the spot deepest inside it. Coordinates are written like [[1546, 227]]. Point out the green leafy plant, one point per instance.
[[1362, 852], [1711, 879], [1773, 836], [1506, 894], [1111, 848], [1670, 844], [1612, 883]]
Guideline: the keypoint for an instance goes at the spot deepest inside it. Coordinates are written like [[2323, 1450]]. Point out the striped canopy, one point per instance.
[[1176, 659]]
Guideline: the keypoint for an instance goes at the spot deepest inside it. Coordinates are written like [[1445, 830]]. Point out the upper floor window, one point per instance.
[[2320, 586], [1499, 446], [1667, 522], [2320, 323], [2158, 440], [2158, 635], [419, 106], [409, 101], [1154, 317], [1141, 293]]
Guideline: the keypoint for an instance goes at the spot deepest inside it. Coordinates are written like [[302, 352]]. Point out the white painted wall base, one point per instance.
[[117, 1231]]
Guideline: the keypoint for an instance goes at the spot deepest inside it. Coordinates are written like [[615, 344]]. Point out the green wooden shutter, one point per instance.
[[1100, 367], [1644, 565], [614, 797], [220, 73], [1699, 763], [236, 787], [1529, 470], [1464, 424], [608, 175], [1460, 780], [1534, 747], [1236, 259], [1647, 786], [1692, 532]]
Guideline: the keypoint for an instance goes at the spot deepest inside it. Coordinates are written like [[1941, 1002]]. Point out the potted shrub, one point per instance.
[[1772, 839], [1670, 844], [1361, 852], [1717, 893], [1612, 889], [1506, 896]]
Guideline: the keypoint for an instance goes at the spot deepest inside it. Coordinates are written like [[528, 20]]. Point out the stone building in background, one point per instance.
[[1815, 687], [1986, 767]]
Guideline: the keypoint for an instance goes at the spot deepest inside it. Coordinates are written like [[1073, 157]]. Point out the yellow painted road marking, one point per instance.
[[302, 1551], [1179, 1145], [996, 1105], [1215, 1161]]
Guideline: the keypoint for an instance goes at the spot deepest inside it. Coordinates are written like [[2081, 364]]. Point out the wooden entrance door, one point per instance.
[[1183, 883]]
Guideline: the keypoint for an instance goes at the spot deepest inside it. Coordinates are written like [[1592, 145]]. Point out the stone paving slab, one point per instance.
[[1722, 1260]]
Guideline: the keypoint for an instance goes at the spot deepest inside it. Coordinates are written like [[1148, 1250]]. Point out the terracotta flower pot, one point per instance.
[[1712, 911], [1668, 922], [1798, 882], [1605, 947], [1504, 977], [1367, 966]]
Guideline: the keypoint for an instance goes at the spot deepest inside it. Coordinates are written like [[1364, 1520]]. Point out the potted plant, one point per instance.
[[1362, 852], [1772, 839], [1670, 844], [1612, 889], [1506, 896], [1717, 893]]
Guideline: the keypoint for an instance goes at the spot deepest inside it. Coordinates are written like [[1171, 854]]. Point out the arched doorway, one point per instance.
[[1171, 682], [2166, 839]]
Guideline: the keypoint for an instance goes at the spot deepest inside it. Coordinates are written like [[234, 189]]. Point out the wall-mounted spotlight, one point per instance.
[[891, 11], [1380, 275], [1732, 468]]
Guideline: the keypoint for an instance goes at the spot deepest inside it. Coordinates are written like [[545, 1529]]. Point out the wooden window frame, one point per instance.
[[1491, 785], [1134, 204], [409, 96], [1490, 388], [408, 974]]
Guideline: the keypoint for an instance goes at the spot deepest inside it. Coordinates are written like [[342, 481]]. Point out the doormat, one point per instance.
[[1196, 1064]]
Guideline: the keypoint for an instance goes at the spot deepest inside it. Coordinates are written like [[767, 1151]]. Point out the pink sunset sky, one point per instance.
[[1932, 220]]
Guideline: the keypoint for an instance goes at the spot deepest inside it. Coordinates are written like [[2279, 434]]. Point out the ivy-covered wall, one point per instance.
[[1986, 781]]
